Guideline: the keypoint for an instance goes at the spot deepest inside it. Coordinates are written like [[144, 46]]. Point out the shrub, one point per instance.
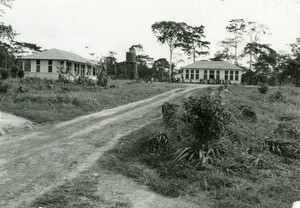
[[277, 97], [205, 118], [168, 112], [4, 73], [248, 112], [282, 147], [3, 87], [263, 88]]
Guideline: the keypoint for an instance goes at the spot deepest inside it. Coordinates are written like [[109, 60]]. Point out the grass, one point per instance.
[[77, 193], [251, 173], [43, 101]]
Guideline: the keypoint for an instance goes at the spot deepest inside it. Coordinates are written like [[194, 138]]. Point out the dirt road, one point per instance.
[[33, 162]]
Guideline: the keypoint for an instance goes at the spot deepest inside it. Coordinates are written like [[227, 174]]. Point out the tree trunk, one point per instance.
[[250, 60], [235, 53], [170, 70], [194, 56]]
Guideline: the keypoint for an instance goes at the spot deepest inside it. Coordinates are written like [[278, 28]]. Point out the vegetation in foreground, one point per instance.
[[248, 156], [41, 100]]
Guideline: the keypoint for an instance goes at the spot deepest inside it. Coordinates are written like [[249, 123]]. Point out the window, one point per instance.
[[68, 66], [218, 74], [192, 74], [211, 74], [236, 75], [88, 70], [205, 74], [187, 74], [50, 66], [76, 68], [27, 65], [82, 69], [94, 71], [38, 65], [197, 74], [226, 75], [231, 75]]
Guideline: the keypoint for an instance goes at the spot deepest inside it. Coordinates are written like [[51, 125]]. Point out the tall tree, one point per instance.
[[7, 35], [266, 59], [255, 31], [291, 65], [192, 43], [171, 33], [110, 63], [136, 48], [237, 28], [226, 53], [5, 3], [159, 66]]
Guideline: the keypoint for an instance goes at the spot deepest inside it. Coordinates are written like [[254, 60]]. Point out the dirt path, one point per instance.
[[35, 161]]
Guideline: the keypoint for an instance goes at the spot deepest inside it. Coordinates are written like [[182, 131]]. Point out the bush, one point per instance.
[[263, 88], [3, 87], [248, 112], [277, 97], [205, 118], [4, 73], [168, 112]]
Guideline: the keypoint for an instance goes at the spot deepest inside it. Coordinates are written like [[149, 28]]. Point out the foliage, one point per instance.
[[3, 87], [192, 41], [169, 113], [160, 66], [4, 73], [207, 118], [248, 112], [239, 170], [237, 28], [171, 33], [283, 147], [277, 96], [263, 88], [6, 3], [266, 57]]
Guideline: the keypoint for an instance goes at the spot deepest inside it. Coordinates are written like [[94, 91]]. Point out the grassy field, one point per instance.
[[43, 101], [258, 166]]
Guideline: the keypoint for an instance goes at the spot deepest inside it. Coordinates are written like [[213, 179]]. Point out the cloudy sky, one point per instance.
[[115, 25]]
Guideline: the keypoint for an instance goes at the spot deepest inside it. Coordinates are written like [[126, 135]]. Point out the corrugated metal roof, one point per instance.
[[56, 54], [212, 65]]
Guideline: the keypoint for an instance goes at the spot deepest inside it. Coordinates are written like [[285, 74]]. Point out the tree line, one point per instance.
[[243, 47]]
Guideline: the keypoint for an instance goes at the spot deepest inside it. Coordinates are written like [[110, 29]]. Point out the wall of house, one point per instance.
[[56, 65], [196, 79]]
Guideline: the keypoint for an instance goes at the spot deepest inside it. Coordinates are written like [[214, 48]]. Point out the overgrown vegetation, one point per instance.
[[249, 160], [42, 100]]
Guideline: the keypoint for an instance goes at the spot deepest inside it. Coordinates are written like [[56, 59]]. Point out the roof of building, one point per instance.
[[212, 65], [56, 54]]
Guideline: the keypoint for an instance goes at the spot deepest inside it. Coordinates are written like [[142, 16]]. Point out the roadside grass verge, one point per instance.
[[259, 166], [43, 101], [80, 192]]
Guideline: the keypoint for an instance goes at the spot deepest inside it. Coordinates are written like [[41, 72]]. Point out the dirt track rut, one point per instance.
[[34, 162]]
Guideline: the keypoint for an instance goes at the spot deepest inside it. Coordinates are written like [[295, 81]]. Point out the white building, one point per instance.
[[50, 63], [212, 70]]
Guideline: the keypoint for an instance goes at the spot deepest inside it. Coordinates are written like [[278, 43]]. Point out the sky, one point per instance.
[[100, 26]]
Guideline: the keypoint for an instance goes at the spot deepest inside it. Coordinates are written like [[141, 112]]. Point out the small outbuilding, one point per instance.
[[50, 63], [212, 72]]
